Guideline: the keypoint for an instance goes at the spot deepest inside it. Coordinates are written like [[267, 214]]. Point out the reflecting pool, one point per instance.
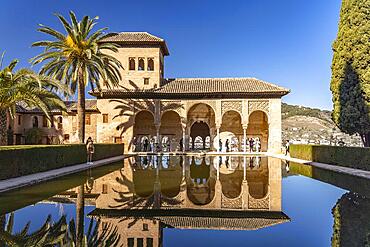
[[191, 201]]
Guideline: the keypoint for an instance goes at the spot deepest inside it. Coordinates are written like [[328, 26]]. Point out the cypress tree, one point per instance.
[[350, 82]]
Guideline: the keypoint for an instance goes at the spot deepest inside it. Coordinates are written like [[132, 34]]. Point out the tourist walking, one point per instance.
[[220, 145], [251, 143], [227, 145], [257, 144], [90, 150], [287, 145]]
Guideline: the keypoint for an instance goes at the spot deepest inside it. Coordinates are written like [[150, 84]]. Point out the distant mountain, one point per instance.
[[302, 124]]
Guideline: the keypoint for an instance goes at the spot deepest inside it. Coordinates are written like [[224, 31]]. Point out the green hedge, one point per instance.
[[22, 160], [354, 157]]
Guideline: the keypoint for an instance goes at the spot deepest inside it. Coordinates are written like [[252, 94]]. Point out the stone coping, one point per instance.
[[212, 153], [18, 182]]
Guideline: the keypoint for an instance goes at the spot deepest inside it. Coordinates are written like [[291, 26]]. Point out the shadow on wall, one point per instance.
[[130, 107], [354, 101]]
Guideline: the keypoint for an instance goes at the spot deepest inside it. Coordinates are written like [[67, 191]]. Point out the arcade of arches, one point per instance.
[[214, 125]]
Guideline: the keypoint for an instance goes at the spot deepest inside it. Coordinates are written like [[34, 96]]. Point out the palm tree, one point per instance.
[[49, 234], [78, 58], [26, 87]]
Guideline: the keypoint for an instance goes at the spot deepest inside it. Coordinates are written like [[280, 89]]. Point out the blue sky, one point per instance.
[[287, 42]]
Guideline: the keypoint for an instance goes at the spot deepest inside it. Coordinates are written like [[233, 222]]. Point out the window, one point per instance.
[[149, 242], [117, 139], [130, 242], [140, 242], [145, 227], [88, 119], [105, 189], [60, 123], [105, 118], [146, 81], [35, 122], [19, 119], [44, 121], [150, 64], [141, 64], [66, 137], [131, 62]]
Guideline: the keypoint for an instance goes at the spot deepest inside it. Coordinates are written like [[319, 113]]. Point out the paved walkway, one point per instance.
[[339, 169], [190, 153], [15, 183]]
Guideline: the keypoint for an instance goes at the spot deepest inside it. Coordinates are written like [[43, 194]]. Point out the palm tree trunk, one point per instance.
[[3, 128], [81, 110], [80, 206]]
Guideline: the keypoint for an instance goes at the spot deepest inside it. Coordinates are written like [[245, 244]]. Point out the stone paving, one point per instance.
[[18, 182], [339, 169]]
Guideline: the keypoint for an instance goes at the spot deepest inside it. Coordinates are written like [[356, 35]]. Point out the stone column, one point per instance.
[[218, 126], [183, 138], [245, 126], [157, 127]]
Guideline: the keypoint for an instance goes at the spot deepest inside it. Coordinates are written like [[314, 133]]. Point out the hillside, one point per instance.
[[311, 125]]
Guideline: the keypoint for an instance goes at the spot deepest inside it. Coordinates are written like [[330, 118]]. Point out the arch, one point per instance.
[[171, 177], [201, 112], [201, 188], [143, 127], [198, 133], [258, 128], [143, 177], [150, 64], [258, 177], [232, 129], [232, 183], [131, 63], [35, 122], [141, 64], [172, 128]]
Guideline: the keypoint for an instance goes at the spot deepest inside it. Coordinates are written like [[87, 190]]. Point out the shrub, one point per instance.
[[27, 159], [353, 157]]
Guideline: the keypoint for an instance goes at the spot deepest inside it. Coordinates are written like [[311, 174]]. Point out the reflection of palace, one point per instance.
[[153, 192]]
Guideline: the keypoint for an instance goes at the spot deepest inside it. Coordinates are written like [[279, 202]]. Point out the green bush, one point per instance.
[[22, 160], [353, 157]]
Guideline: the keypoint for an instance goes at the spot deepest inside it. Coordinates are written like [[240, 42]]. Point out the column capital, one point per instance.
[[245, 126]]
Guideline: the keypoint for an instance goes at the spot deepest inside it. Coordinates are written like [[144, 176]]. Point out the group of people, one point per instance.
[[254, 145]]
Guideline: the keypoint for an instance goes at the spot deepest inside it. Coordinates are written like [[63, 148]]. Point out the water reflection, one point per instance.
[[154, 192]]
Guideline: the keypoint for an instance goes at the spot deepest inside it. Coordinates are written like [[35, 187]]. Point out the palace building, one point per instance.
[[150, 112]]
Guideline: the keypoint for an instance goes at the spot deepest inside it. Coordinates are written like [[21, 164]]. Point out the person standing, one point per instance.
[[258, 144], [219, 145], [287, 145], [90, 150], [251, 145], [227, 145]]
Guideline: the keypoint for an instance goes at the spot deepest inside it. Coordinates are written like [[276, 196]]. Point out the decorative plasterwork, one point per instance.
[[258, 105], [231, 106], [263, 203], [174, 105]]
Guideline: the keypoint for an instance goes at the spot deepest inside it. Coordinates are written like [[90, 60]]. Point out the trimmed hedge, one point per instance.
[[353, 157], [23, 160]]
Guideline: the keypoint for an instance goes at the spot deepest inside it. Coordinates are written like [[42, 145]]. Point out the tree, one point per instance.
[[350, 82], [29, 89], [77, 58]]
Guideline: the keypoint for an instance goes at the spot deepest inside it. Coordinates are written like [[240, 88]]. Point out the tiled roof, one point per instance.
[[219, 85], [90, 105], [137, 38], [201, 219], [197, 88]]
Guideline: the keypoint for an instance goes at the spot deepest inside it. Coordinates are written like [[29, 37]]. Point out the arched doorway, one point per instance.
[[172, 129], [144, 129], [258, 128], [200, 122], [258, 177], [232, 130]]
